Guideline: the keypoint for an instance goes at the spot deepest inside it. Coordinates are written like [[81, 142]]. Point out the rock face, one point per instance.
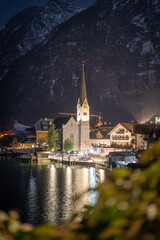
[[119, 42], [31, 28]]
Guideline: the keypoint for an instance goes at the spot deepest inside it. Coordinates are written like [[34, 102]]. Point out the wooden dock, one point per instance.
[[25, 157], [46, 157], [73, 161]]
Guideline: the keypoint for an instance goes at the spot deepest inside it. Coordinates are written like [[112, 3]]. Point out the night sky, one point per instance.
[[8, 8]]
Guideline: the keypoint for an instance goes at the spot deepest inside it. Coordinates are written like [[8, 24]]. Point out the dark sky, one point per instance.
[[9, 8]]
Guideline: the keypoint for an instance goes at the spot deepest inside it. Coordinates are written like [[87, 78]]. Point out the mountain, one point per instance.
[[119, 42], [31, 28]]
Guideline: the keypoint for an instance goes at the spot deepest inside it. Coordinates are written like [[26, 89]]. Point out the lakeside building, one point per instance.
[[154, 135], [29, 138], [41, 129], [157, 119], [130, 136], [100, 139]]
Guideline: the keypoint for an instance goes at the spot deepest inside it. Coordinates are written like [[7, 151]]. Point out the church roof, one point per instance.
[[83, 93], [59, 121]]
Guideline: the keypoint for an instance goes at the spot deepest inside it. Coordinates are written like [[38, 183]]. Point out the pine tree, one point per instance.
[[68, 145], [53, 138]]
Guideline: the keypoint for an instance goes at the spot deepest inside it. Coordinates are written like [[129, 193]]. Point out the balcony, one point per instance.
[[117, 138], [120, 132], [128, 146]]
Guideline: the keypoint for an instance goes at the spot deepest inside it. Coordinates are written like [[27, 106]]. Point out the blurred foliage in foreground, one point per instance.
[[128, 207]]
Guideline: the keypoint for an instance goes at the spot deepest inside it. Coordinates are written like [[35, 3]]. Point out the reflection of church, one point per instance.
[[79, 131]]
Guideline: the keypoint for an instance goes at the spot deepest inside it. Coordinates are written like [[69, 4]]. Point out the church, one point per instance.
[[79, 130]]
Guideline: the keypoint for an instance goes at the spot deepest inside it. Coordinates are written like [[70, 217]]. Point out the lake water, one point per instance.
[[44, 193]]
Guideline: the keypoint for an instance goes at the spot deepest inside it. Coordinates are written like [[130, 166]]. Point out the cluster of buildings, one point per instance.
[[102, 138]]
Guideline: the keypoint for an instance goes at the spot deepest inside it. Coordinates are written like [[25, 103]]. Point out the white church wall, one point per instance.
[[84, 136], [70, 130]]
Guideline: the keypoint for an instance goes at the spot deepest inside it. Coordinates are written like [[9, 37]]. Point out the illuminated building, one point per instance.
[[121, 135], [41, 128], [130, 136], [100, 139], [157, 119]]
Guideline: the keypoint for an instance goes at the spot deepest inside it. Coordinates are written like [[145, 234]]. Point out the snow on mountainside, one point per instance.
[[30, 28], [119, 41], [19, 127]]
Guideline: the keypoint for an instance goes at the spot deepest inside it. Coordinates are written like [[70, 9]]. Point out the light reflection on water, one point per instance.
[[48, 190], [32, 198]]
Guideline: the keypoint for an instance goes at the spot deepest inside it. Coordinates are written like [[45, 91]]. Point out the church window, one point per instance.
[[72, 136], [71, 124], [85, 113]]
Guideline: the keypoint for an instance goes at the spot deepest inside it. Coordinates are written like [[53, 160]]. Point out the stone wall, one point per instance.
[[70, 130]]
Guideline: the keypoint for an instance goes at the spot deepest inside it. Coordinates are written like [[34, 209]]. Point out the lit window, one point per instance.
[[85, 113]]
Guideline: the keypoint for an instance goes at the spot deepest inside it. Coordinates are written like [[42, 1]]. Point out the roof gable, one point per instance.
[[61, 121], [71, 120], [85, 102], [127, 126], [99, 135]]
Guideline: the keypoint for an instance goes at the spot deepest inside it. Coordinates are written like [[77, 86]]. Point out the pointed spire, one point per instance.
[[83, 94]]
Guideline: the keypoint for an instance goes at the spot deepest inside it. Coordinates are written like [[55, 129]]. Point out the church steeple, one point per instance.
[[82, 105], [83, 116], [83, 93]]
